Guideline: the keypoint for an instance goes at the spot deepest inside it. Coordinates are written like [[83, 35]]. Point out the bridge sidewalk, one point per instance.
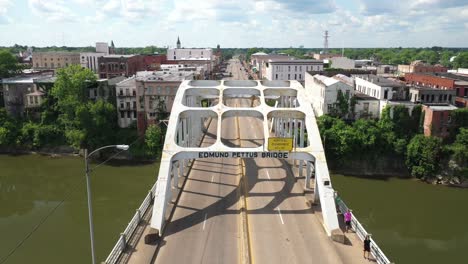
[[351, 252]]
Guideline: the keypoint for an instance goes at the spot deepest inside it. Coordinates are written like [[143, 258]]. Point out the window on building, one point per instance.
[[329, 108], [289, 68], [385, 94], [134, 105], [129, 114], [121, 105], [300, 68], [289, 76], [174, 57], [366, 107], [128, 105], [134, 114], [95, 92], [300, 76], [432, 98], [30, 100], [276, 76], [450, 97], [445, 97], [122, 114], [295, 76], [134, 93], [422, 97], [120, 92]]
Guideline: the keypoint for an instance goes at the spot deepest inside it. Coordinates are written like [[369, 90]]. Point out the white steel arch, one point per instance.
[[197, 102]]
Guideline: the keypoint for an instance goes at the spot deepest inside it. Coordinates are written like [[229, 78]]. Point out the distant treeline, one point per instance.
[[432, 55]]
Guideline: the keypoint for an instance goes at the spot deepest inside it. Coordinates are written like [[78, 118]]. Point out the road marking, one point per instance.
[[204, 221], [281, 217], [212, 176], [268, 174]]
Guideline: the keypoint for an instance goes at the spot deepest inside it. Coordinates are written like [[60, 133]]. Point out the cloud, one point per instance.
[[52, 10], [4, 6]]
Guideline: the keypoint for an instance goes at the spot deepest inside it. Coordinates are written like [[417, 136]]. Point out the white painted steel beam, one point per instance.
[[291, 116]]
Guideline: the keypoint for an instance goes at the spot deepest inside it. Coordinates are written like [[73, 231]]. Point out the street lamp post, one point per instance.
[[88, 190]]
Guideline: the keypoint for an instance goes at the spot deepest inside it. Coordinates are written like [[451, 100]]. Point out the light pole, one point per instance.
[[88, 189]]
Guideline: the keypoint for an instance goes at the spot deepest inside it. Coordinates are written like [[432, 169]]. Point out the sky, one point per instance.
[[235, 23]]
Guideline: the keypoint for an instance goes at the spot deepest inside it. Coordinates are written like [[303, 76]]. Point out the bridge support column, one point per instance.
[[308, 176], [301, 145]]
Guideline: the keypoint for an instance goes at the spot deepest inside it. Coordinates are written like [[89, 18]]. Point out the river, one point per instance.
[[32, 185], [413, 222]]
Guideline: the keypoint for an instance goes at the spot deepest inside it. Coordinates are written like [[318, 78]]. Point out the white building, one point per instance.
[[89, 60], [388, 92], [291, 69], [187, 54], [342, 63], [366, 106], [126, 102], [259, 59], [102, 47], [324, 92]]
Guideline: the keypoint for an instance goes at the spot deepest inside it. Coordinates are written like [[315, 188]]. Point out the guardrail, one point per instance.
[[376, 252], [121, 244]]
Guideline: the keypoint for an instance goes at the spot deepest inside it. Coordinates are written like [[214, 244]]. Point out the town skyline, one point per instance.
[[234, 24]]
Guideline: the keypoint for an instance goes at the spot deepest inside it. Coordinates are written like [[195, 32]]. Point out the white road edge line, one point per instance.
[[204, 221], [281, 217], [268, 174], [212, 177]]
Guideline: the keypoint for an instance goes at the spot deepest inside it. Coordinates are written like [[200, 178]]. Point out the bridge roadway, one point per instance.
[[207, 226]]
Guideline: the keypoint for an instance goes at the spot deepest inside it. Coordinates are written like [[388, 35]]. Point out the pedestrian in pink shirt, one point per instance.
[[347, 218]]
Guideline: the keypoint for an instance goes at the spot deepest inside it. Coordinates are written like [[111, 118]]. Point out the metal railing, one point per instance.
[[376, 252], [121, 244]]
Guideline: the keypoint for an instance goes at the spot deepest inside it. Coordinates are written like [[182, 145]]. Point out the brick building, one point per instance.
[[120, 65], [437, 120], [153, 62], [54, 60], [444, 81], [419, 67]]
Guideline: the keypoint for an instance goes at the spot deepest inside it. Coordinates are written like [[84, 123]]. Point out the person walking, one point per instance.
[[347, 217], [367, 246]]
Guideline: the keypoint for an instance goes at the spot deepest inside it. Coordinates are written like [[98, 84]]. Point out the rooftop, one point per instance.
[[445, 107], [379, 80], [292, 61], [164, 76], [361, 96], [326, 80], [25, 79], [343, 78], [119, 56]]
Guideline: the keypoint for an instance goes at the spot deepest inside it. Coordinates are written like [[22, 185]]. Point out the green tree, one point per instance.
[[70, 91], [460, 148], [461, 61], [423, 155], [8, 129], [153, 139], [9, 65]]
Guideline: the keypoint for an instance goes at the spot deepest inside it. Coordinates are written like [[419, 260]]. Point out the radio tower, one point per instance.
[[325, 42]]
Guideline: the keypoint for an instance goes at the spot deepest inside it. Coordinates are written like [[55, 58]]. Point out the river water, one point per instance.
[[413, 222], [32, 185]]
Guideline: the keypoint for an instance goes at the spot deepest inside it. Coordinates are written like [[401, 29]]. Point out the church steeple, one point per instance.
[[178, 42]]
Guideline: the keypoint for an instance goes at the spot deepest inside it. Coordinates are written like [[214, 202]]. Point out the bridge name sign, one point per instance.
[[222, 154]]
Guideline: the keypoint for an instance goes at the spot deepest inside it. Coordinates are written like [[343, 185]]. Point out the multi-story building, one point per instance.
[[126, 102], [420, 66], [324, 92], [443, 81], [259, 59], [148, 96], [437, 119], [429, 95], [291, 69], [102, 47], [90, 60], [153, 62], [324, 56], [120, 65], [155, 92], [366, 107], [22, 93], [54, 60], [186, 54], [387, 91]]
